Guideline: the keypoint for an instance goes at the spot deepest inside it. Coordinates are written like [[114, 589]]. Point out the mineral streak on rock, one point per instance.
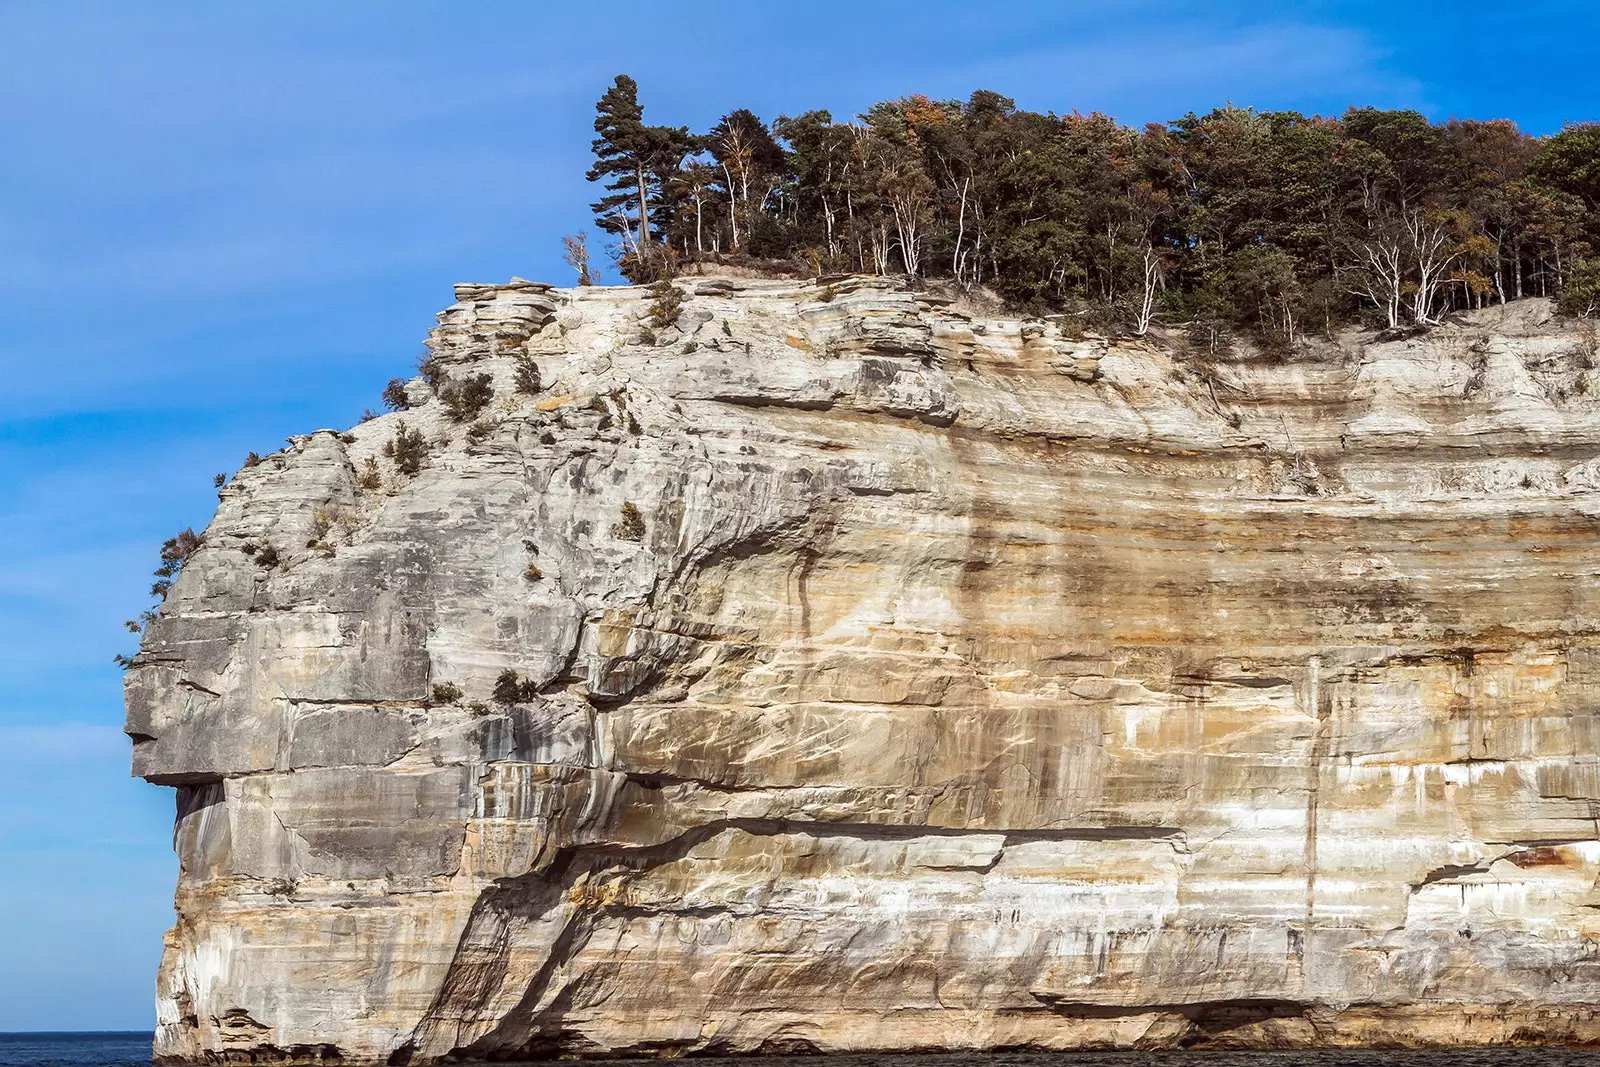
[[889, 678]]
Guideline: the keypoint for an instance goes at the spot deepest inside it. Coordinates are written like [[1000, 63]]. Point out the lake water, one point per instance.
[[133, 1050], [75, 1050]]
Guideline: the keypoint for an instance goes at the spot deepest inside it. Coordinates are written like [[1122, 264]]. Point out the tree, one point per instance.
[[621, 148], [749, 157], [1581, 294], [1232, 219], [635, 158], [575, 254], [1570, 162], [819, 158]]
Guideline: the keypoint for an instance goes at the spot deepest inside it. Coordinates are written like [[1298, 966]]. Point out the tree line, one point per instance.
[[1272, 222]]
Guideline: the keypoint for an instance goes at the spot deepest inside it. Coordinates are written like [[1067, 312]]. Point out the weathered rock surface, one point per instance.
[[956, 685]]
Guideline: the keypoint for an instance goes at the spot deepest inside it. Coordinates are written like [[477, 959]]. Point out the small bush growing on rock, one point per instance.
[[176, 550], [509, 689], [368, 415], [828, 293], [283, 887], [394, 395], [408, 449], [631, 526], [446, 693], [219, 480], [666, 301], [267, 557], [251, 459], [527, 377], [432, 371], [478, 707], [481, 430], [370, 477], [323, 522], [465, 400]]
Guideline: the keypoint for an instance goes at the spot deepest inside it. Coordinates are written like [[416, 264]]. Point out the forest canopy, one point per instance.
[[1268, 221]]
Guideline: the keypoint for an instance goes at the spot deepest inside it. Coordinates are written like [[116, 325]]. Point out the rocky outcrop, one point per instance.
[[890, 678]]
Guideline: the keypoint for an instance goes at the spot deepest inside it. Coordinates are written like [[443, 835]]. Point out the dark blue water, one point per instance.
[[133, 1050], [75, 1050]]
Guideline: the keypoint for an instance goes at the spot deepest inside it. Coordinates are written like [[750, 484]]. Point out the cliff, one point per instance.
[[890, 678]]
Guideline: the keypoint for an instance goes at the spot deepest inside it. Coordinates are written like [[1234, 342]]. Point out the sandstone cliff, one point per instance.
[[894, 679]]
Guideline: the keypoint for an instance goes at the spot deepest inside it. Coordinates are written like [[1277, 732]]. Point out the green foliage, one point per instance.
[[1270, 222], [1581, 294], [636, 162], [1569, 162], [370, 477], [466, 399], [510, 689], [445, 693], [219, 480], [1210, 313]]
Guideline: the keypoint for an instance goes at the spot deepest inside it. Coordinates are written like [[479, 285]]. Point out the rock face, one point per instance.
[[888, 678]]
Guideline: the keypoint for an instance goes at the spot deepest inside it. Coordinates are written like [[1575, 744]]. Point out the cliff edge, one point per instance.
[[816, 667]]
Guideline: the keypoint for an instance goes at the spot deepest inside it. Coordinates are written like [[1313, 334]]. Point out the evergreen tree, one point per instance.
[[638, 160], [620, 155], [1234, 223]]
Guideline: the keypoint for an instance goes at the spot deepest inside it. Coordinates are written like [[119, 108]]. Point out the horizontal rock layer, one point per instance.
[[891, 678]]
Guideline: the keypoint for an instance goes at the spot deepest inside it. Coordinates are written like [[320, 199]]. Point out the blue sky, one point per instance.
[[221, 224]]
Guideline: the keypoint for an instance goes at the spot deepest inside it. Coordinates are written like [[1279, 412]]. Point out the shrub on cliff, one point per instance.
[[466, 399], [408, 449], [509, 689], [432, 373], [631, 526], [527, 377], [394, 395], [666, 302]]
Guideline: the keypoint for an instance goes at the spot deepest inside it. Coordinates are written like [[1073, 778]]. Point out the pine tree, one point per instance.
[[637, 159], [619, 153]]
